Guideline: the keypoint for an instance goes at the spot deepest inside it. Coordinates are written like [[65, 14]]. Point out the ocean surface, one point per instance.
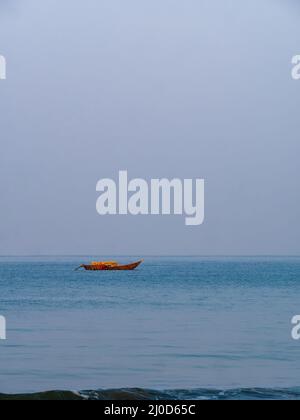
[[189, 328]]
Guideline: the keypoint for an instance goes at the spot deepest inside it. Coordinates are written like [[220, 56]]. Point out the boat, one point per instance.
[[109, 266]]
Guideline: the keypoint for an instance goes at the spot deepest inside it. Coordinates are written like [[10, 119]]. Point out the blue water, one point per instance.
[[175, 323]]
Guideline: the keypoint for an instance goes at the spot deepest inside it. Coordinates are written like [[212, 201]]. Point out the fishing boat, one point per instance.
[[109, 266]]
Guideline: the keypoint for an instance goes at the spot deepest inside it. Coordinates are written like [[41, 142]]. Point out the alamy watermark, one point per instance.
[[2, 328], [158, 197], [296, 327], [2, 67], [296, 67]]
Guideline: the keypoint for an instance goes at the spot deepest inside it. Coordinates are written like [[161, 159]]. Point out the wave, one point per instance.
[[137, 394]]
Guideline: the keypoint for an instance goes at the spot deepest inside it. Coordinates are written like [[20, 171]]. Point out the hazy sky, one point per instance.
[[162, 88]]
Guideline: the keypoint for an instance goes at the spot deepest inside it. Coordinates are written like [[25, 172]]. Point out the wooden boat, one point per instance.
[[110, 266]]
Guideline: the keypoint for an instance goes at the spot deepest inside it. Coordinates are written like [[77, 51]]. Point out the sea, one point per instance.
[[177, 328]]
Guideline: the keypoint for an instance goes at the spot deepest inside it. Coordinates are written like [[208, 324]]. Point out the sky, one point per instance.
[[185, 89]]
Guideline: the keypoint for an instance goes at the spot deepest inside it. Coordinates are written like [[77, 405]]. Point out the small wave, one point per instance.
[[137, 394]]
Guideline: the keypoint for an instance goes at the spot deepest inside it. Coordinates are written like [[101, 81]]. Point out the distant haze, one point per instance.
[[185, 89]]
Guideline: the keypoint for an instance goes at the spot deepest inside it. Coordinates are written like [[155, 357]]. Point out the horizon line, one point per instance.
[[155, 255]]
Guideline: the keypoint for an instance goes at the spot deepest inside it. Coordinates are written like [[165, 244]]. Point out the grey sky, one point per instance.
[[197, 88]]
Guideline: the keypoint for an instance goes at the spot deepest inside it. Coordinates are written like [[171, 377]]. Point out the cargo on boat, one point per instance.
[[109, 266]]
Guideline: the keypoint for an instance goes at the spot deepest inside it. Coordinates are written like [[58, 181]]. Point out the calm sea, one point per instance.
[[206, 327]]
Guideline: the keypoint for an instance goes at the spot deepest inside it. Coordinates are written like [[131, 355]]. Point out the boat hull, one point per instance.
[[128, 267]]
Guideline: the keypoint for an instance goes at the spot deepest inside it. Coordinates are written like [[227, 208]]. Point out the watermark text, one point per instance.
[[296, 67], [157, 197], [2, 67], [2, 328], [296, 328]]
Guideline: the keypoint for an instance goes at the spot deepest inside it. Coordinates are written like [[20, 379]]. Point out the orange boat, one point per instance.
[[110, 266]]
